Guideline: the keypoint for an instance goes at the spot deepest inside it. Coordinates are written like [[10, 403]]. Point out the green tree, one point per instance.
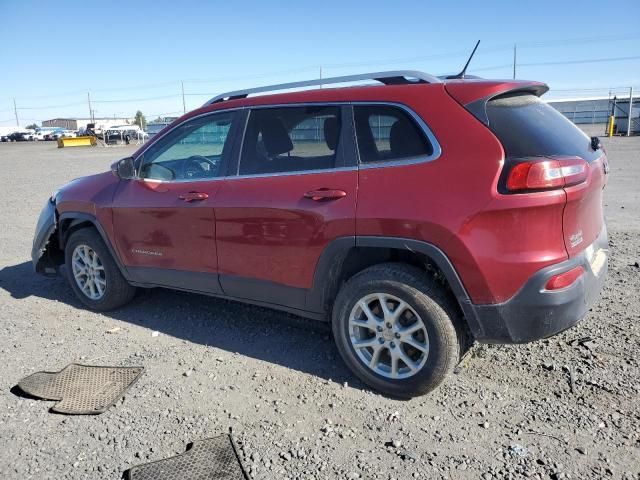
[[33, 126], [140, 120]]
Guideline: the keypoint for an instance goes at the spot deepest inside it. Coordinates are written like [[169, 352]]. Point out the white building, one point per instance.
[[81, 123]]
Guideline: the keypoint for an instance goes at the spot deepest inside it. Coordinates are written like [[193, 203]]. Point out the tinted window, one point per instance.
[[388, 133], [528, 127], [290, 139], [193, 151]]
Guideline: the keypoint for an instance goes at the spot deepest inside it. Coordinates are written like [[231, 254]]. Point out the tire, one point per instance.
[[427, 304], [116, 291]]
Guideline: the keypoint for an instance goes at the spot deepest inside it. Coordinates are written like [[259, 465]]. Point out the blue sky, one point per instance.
[[133, 55]]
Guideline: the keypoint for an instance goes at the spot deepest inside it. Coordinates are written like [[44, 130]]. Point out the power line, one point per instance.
[[250, 77], [49, 107], [577, 62], [563, 62], [493, 49], [130, 100]]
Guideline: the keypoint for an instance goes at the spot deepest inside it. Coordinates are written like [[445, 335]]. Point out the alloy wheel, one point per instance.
[[88, 272], [388, 336]]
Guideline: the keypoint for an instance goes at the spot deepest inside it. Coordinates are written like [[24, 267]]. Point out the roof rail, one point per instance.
[[398, 77]]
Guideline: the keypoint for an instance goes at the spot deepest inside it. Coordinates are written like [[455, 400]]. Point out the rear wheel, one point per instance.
[[394, 327], [93, 274]]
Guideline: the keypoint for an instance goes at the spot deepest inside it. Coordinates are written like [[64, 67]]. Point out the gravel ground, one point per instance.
[[566, 407]]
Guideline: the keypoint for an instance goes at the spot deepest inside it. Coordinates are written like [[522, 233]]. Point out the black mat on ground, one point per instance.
[[81, 389], [211, 459]]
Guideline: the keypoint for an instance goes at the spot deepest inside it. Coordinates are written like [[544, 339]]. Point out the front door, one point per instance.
[[164, 220], [294, 192]]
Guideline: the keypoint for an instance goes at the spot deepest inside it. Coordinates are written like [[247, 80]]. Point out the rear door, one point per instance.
[[164, 220], [294, 191]]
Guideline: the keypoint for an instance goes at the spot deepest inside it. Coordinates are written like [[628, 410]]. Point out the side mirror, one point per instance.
[[124, 169], [595, 143]]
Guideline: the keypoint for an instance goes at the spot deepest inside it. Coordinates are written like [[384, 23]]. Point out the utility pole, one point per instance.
[[630, 111], [184, 105], [15, 110], [90, 111], [515, 53], [320, 75]]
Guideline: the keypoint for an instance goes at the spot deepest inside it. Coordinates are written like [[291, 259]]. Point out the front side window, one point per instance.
[[290, 139], [387, 133], [192, 151]]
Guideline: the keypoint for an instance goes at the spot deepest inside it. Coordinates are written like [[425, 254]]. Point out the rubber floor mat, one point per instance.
[[81, 389], [211, 459]]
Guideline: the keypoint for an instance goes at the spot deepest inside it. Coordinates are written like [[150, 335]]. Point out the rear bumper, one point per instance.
[[42, 262], [535, 313]]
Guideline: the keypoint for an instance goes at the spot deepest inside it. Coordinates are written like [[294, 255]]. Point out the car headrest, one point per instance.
[[404, 141], [331, 131], [275, 138]]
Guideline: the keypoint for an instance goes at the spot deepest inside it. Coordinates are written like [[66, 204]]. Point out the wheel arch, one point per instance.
[[70, 222], [346, 256]]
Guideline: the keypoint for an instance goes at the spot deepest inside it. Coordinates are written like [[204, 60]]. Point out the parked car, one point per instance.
[[124, 134], [19, 136], [29, 135], [153, 128], [417, 217], [54, 134], [39, 135]]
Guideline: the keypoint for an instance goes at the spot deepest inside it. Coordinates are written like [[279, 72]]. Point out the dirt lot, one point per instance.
[[509, 412]]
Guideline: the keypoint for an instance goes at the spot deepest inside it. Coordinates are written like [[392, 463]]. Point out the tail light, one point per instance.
[[563, 280], [546, 173]]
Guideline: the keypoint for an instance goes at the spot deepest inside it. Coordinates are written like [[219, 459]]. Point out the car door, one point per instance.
[[294, 192], [164, 220]]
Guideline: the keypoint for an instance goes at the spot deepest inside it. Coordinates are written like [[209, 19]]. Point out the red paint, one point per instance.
[[583, 214], [267, 229], [276, 227], [155, 227], [467, 91]]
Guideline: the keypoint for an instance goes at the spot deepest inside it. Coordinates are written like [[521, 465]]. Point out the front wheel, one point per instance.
[[93, 274], [394, 327]]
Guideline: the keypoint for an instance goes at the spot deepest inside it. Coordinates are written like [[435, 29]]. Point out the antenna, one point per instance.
[[464, 70]]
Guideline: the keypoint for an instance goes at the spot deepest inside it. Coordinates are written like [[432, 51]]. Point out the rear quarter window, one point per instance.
[[528, 127], [388, 133]]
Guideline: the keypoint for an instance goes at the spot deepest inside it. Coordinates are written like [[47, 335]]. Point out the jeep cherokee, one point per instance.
[[416, 215]]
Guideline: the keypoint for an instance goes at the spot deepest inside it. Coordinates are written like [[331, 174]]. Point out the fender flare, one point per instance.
[[330, 263], [82, 217]]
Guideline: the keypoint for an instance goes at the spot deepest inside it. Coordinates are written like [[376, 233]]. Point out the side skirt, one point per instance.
[[245, 290]]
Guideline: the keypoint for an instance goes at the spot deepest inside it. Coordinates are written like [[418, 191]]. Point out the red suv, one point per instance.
[[417, 215]]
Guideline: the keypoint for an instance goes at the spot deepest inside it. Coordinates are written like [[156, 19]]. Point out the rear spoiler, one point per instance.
[[475, 98]]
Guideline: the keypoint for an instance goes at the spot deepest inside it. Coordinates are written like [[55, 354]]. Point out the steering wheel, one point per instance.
[[192, 168]]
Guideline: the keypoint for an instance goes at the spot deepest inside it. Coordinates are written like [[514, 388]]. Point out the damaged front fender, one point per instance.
[[42, 254]]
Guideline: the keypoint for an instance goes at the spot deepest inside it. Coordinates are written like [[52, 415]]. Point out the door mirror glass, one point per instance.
[[124, 169], [595, 143]]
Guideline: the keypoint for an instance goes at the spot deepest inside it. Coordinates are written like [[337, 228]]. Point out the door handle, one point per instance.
[[193, 196], [325, 194]]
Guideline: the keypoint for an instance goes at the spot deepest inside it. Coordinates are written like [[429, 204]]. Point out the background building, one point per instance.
[[81, 123], [597, 111]]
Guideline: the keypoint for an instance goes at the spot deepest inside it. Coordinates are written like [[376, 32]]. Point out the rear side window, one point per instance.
[[386, 133], [528, 127], [290, 139]]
